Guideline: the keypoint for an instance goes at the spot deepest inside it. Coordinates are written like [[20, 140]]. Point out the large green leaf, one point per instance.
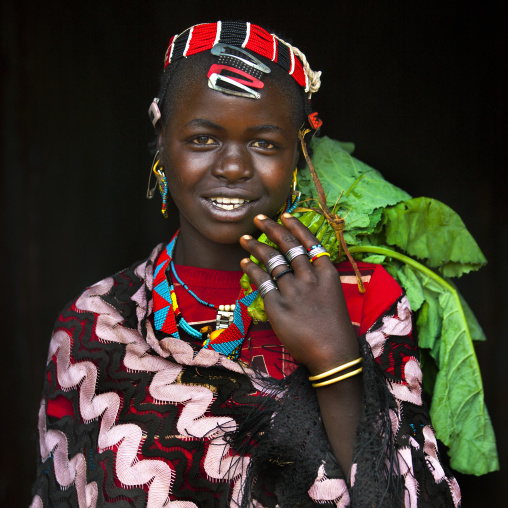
[[458, 408], [364, 190], [378, 215], [432, 231], [446, 328]]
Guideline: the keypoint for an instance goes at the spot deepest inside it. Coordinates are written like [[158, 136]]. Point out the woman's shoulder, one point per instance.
[[121, 291]]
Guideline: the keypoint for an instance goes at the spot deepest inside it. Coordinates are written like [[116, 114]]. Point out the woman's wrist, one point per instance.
[[330, 361]]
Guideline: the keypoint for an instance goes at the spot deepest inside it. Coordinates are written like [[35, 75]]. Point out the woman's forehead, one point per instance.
[[199, 102]]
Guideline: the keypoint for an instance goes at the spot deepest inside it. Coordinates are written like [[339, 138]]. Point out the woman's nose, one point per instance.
[[233, 164]]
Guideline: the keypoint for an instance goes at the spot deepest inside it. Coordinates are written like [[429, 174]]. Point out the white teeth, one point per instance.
[[228, 203]]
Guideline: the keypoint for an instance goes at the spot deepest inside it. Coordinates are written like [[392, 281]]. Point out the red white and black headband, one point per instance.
[[237, 71]]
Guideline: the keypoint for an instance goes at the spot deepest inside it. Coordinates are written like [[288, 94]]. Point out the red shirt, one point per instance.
[[262, 348]]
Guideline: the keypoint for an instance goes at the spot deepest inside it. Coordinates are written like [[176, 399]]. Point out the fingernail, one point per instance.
[[244, 261], [247, 237], [261, 217], [287, 215]]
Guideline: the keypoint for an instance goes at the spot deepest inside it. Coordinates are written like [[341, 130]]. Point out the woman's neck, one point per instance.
[[196, 250]]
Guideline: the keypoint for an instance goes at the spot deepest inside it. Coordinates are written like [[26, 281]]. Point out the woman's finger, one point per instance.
[[284, 239], [267, 288], [292, 235], [275, 263]]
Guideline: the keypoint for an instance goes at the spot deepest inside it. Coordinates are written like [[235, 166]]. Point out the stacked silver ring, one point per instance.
[[318, 249], [266, 287], [277, 260], [295, 252]]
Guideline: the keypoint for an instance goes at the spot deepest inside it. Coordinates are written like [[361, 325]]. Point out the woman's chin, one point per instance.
[[221, 233]]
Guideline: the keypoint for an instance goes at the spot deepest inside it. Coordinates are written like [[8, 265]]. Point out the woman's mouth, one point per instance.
[[228, 203]]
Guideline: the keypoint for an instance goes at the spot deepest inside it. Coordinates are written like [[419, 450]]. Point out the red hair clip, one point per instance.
[[231, 77], [314, 121]]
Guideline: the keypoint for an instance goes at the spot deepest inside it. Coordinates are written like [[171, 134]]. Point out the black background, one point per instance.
[[420, 87]]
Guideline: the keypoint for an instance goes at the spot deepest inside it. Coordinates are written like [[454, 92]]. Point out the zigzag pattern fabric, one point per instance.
[[121, 462], [134, 418]]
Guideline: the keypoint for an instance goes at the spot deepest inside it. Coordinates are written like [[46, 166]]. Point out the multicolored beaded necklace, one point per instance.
[[168, 318], [225, 313]]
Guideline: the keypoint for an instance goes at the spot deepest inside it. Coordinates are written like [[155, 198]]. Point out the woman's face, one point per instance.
[[228, 159]]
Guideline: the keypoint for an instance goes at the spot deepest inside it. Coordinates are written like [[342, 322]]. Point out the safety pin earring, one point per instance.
[[161, 181], [151, 192]]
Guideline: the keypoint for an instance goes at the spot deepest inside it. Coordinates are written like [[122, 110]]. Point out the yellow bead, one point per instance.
[[216, 333]]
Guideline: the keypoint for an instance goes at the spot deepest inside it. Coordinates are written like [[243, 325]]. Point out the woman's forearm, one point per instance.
[[340, 404]]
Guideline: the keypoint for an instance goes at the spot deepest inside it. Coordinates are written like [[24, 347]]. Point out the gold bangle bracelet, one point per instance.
[[334, 371], [337, 379]]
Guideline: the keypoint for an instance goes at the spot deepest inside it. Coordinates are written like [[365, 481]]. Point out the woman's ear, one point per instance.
[[161, 135]]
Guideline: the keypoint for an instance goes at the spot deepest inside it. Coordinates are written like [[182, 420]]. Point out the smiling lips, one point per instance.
[[228, 203]]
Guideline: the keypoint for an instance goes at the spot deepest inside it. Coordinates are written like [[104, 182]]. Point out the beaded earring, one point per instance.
[[293, 198], [161, 181], [163, 187]]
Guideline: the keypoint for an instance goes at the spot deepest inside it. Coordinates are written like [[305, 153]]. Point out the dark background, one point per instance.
[[420, 87]]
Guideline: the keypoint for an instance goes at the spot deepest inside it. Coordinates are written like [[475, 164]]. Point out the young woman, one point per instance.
[[162, 391]]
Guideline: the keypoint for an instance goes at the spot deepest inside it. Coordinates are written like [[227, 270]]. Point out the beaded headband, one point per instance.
[[246, 36]]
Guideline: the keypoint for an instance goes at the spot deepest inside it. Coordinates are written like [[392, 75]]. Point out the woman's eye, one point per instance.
[[260, 143], [203, 140]]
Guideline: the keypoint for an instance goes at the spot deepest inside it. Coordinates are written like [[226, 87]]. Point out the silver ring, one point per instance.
[[277, 260], [294, 252], [266, 287], [316, 250]]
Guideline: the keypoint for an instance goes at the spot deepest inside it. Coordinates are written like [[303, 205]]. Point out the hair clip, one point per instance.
[[237, 72], [154, 112], [225, 50], [231, 71], [314, 121], [230, 86]]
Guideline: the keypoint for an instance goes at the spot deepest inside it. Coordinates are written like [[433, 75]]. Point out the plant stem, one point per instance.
[[427, 271], [405, 259]]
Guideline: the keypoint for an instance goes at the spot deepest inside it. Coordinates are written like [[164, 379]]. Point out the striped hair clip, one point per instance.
[[237, 72]]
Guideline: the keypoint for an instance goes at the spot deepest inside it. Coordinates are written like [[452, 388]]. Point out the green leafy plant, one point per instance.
[[422, 243]]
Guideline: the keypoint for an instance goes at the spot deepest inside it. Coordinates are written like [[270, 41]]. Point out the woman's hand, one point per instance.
[[308, 313]]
